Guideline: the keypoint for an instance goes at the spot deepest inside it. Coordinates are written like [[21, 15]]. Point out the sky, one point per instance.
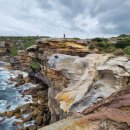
[[75, 18]]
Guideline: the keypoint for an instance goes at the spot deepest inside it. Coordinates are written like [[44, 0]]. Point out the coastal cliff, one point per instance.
[[74, 82]]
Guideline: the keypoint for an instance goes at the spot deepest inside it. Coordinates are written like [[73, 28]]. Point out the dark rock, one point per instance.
[[15, 123], [29, 118], [8, 106], [20, 83], [10, 114], [32, 127], [20, 77], [39, 120]]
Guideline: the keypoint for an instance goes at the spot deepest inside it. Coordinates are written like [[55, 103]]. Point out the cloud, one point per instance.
[[76, 18]]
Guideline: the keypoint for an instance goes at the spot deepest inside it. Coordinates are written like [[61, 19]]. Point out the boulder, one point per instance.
[[32, 127], [10, 114], [39, 120], [15, 123]]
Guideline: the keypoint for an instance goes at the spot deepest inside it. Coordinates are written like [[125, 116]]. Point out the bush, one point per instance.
[[76, 38], [123, 43], [13, 51], [99, 40], [26, 45], [35, 66], [118, 52], [102, 46], [123, 35], [127, 50]]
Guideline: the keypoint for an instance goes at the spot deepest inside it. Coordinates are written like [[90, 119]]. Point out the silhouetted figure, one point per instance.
[[64, 35], [7, 47]]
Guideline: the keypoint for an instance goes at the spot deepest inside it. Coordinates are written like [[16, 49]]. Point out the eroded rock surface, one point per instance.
[[112, 113], [92, 78]]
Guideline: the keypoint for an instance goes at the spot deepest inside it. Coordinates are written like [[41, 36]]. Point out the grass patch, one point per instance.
[[26, 45], [35, 65], [13, 51], [127, 50]]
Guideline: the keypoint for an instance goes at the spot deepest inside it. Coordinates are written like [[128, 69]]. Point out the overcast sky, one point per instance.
[[75, 18]]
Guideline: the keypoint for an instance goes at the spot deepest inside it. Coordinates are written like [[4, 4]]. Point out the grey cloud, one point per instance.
[[83, 18]]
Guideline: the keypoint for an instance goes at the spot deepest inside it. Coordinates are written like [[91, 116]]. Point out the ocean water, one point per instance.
[[10, 96]]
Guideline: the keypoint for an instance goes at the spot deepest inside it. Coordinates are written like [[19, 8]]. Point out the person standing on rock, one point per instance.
[[64, 35]]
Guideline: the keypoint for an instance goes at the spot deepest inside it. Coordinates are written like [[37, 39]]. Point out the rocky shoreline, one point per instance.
[[32, 115]]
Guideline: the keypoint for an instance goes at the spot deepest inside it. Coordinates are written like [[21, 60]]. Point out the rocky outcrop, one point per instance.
[[92, 78], [111, 113], [75, 83]]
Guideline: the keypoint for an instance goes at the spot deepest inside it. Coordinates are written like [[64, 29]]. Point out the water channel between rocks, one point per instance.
[[10, 96]]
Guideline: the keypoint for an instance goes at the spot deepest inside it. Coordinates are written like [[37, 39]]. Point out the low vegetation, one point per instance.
[[127, 50], [121, 47], [13, 51], [35, 66]]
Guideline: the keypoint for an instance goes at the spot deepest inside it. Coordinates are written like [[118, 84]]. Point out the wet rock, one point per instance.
[[10, 114], [39, 120], [29, 118], [32, 127], [20, 77], [17, 115], [17, 123], [34, 113], [17, 110], [30, 91], [31, 109], [22, 82], [3, 114], [34, 104], [8, 106], [42, 108], [20, 128], [24, 108], [15, 62]]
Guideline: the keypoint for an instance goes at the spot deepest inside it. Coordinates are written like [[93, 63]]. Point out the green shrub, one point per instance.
[[13, 51], [102, 46], [127, 50], [123, 43], [123, 35], [99, 40], [76, 38], [35, 66], [26, 45]]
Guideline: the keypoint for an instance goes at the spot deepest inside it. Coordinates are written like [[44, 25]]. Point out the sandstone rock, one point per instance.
[[32, 48], [20, 128], [99, 74], [30, 91], [39, 120], [24, 108], [10, 114], [20, 77], [21, 82], [27, 118], [17, 123], [17, 115], [32, 127], [34, 113]]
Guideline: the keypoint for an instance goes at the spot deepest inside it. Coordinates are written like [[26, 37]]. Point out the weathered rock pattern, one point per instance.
[[92, 78], [111, 113], [74, 83]]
